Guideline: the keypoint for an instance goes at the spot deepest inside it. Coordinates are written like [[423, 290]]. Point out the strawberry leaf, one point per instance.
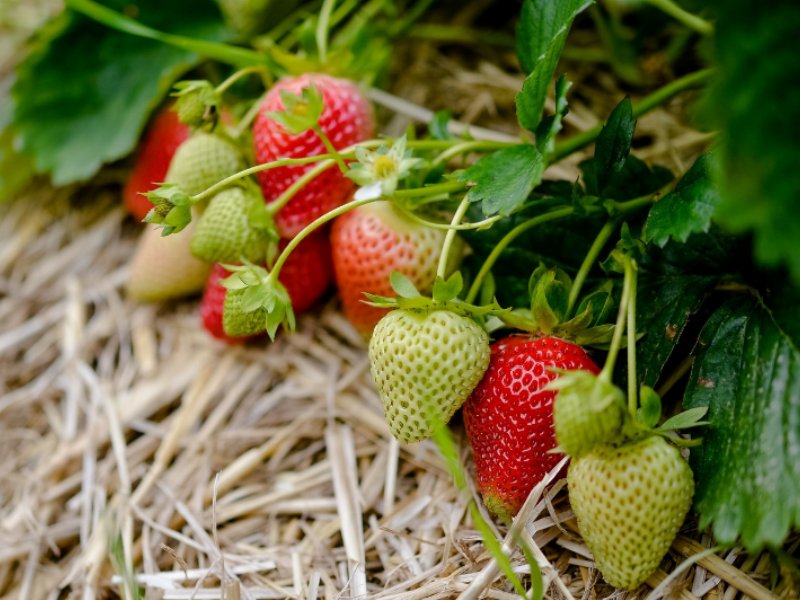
[[541, 35], [685, 420], [107, 83], [758, 147], [448, 289], [687, 210], [550, 126], [611, 149], [747, 372], [502, 181]]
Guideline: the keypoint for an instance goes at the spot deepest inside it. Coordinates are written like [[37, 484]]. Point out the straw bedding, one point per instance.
[[136, 452]]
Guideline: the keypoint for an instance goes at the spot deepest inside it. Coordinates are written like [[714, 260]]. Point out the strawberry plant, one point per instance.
[[443, 242]]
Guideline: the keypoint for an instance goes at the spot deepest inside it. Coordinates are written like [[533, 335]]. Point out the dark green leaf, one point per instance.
[[687, 210], [756, 43], [635, 179], [614, 144], [541, 34], [85, 97], [747, 372], [666, 300], [503, 180]]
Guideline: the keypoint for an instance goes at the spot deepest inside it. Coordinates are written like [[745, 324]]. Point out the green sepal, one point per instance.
[[197, 102], [549, 290], [404, 287], [649, 411], [301, 112], [627, 246], [685, 420], [445, 290], [600, 303], [171, 208], [262, 292]]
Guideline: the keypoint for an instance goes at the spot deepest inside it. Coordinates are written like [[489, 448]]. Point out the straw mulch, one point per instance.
[[137, 452]]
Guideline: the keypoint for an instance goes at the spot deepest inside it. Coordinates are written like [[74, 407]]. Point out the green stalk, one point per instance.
[[447, 226], [236, 76], [232, 55], [330, 148], [430, 190], [619, 329], [283, 162], [465, 147], [648, 103], [299, 184], [587, 264], [322, 29], [633, 379], [441, 269], [692, 21], [507, 239], [311, 227]]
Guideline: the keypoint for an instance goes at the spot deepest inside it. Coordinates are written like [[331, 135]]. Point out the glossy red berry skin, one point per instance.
[[307, 275], [156, 149], [509, 418], [346, 120]]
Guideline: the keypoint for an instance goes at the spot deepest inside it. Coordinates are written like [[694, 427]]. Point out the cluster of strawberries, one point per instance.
[[429, 356]]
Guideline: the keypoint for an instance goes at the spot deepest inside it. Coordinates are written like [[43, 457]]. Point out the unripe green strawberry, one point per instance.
[[425, 363], [163, 268], [589, 411], [226, 232], [236, 322], [630, 502], [203, 160]]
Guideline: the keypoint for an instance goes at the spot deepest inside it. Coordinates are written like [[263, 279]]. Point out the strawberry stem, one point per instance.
[[322, 30], [430, 190], [507, 239], [633, 380], [648, 103], [237, 75], [587, 264], [447, 226], [441, 269], [313, 226], [619, 328], [465, 147], [330, 148], [248, 118], [691, 21]]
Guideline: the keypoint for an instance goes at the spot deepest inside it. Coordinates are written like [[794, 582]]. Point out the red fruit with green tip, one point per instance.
[[346, 119], [509, 417], [158, 146], [371, 242]]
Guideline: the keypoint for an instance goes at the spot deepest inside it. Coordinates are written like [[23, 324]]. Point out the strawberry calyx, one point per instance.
[[548, 314], [261, 291], [384, 167], [197, 103], [444, 296]]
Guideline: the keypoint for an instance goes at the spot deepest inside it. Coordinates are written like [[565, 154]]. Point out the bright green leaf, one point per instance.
[[747, 372], [85, 97], [614, 144], [686, 419], [503, 180], [687, 210], [541, 35], [650, 406]]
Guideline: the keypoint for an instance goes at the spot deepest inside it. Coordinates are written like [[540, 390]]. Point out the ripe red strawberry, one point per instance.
[[509, 417], [156, 149], [346, 120], [371, 242], [306, 274]]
